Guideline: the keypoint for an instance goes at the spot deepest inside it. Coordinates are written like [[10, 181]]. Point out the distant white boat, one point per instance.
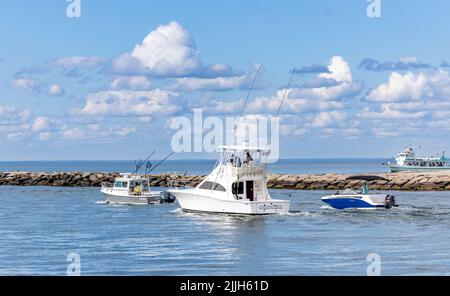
[[131, 189], [237, 185], [407, 161]]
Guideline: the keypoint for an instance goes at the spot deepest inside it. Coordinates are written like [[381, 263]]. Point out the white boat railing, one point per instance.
[[252, 170], [173, 184], [107, 185]]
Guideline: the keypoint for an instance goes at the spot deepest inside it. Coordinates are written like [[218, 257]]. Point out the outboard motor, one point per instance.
[[389, 201], [166, 197]]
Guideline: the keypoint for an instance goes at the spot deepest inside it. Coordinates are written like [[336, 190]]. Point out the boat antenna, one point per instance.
[[139, 165], [148, 166], [160, 162], [285, 92], [283, 97], [246, 99]]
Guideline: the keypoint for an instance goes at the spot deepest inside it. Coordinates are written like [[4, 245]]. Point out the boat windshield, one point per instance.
[[139, 185], [121, 184], [349, 192], [243, 157]]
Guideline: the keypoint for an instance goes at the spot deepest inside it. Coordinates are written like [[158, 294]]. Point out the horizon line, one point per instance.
[[190, 159]]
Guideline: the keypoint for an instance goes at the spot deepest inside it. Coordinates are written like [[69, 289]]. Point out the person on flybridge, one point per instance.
[[248, 158]]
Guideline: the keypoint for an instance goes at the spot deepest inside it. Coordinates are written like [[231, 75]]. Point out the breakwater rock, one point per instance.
[[395, 181]]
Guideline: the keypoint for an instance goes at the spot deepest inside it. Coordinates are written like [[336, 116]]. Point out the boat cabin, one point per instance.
[[408, 158], [240, 173], [134, 185]]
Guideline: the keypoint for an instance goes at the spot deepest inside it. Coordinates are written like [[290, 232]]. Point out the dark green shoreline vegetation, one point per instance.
[[409, 181]]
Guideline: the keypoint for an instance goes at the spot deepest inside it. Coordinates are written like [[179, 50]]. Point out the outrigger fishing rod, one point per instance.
[[283, 98], [246, 100], [285, 91], [160, 162], [138, 166]]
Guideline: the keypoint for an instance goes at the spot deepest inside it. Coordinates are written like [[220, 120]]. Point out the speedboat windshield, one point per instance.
[[349, 192]]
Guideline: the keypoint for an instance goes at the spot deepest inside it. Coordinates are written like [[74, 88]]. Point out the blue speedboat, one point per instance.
[[351, 199]]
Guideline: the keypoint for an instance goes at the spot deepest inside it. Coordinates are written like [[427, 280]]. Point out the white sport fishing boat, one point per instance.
[[237, 185], [131, 190], [134, 189], [351, 199]]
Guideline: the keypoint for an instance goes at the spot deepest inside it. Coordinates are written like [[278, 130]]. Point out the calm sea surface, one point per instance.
[[40, 226], [285, 166]]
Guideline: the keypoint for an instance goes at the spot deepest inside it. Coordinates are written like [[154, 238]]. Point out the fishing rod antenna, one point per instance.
[[160, 162], [139, 164], [285, 92], [246, 100], [283, 98]]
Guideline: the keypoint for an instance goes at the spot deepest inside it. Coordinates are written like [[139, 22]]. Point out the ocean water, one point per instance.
[[40, 226], [201, 167]]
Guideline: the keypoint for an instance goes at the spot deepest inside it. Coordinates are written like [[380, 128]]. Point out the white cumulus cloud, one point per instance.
[[325, 119], [40, 124], [28, 84], [55, 90], [339, 70], [409, 86], [218, 83], [79, 61], [11, 116], [125, 103], [130, 82], [73, 134], [170, 51], [45, 136]]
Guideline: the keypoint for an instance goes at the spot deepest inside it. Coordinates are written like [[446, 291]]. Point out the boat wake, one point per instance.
[[178, 211], [301, 214]]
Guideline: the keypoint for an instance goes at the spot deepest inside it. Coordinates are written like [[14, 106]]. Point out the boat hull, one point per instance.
[[121, 200], [395, 169], [153, 198], [349, 203], [192, 201], [342, 202]]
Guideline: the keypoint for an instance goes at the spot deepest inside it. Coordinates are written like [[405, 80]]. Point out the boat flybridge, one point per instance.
[[351, 199], [237, 185]]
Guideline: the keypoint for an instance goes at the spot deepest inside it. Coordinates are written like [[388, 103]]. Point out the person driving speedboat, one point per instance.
[[365, 189]]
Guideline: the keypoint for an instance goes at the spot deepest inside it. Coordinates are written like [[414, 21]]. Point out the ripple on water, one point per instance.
[[40, 226]]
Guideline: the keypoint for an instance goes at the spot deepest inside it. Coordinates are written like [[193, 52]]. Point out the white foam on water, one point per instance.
[[300, 214], [177, 211]]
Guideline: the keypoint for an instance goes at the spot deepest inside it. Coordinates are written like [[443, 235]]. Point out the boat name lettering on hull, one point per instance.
[[265, 207]]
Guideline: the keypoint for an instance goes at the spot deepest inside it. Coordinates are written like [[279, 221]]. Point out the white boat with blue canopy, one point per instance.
[[351, 199]]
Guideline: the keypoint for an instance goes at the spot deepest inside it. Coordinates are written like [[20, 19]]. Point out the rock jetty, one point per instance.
[[410, 181]]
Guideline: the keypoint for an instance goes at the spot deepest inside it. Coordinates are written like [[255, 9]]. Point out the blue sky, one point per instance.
[[366, 86]]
